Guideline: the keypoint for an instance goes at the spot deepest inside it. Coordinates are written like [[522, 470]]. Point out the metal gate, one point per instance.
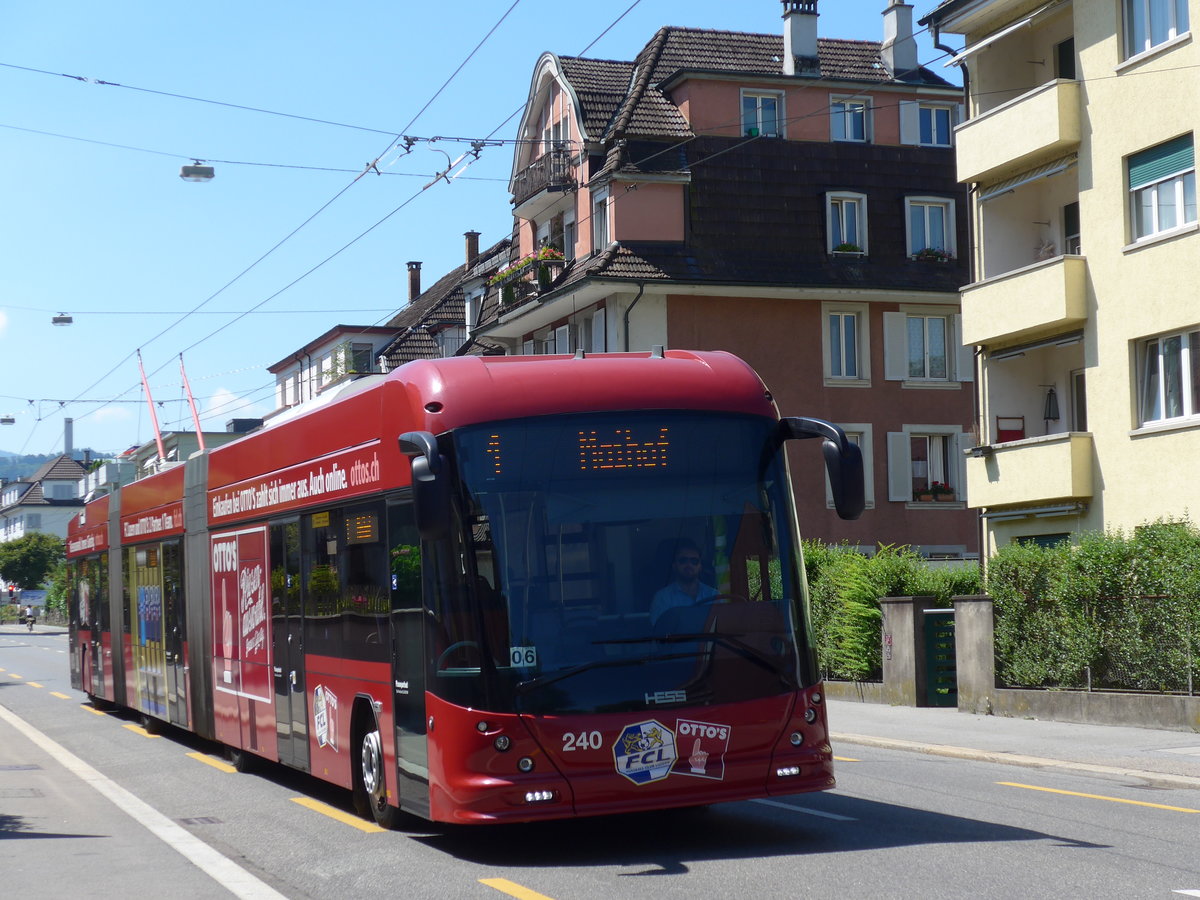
[[941, 671]]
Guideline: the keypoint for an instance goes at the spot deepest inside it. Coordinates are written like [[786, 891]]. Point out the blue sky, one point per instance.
[[97, 223]]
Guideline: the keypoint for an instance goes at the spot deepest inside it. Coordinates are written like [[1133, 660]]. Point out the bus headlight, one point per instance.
[[525, 764]]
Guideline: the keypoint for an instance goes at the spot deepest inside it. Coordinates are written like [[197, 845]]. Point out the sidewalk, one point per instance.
[[1165, 758], [38, 628]]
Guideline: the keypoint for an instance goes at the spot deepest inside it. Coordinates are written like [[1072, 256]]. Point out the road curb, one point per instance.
[[1161, 779]]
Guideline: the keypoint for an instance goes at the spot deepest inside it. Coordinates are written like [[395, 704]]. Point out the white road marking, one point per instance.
[[221, 869], [1187, 893], [807, 812]]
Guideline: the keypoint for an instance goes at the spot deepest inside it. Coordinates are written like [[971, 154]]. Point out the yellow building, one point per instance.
[[1079, 151]]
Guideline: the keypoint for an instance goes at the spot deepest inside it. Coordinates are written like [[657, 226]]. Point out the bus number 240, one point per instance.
[[585, 740]]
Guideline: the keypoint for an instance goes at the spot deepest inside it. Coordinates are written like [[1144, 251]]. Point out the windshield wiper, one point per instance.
[[738, 646], [523, 687]]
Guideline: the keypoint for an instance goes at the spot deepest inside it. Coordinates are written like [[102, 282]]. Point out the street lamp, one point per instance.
[[8, 420], [61, 319], [197, 172]]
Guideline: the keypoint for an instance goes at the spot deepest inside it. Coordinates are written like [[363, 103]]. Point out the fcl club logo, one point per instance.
[[645, 752]]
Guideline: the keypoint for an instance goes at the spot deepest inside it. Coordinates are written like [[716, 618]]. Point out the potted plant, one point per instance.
[[847, 249], [933, 254], [923, 495], [941, 491]]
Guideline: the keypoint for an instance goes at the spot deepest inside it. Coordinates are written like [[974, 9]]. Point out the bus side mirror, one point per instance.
[[430, 485], [843, 461]]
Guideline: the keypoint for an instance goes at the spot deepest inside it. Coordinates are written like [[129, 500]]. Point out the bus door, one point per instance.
[[91, 617], [409, 626], [149, 657], [175, 637], [287, 636]]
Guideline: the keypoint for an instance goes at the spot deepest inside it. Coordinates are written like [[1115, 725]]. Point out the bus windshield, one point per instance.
[[623, 561]]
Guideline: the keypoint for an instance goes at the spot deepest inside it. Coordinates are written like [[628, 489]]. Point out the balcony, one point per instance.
[[1033, 128], [1035, 470], [1034, 301], [551, 172]]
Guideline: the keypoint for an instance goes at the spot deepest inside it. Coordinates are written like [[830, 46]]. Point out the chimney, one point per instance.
[[899, 51], [69, 437], [800, 38], [414, 281], [472, 246]]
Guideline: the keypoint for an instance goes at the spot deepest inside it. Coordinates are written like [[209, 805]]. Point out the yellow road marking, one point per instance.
[[91, 709], [33, 684], [212, 761], [14, 675], [59, 696], [138, 729], [504, 886], [1033, 787], [344, 817], [846, 759]]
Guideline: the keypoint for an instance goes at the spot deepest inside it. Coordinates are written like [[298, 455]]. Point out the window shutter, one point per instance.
[[599, 332], [1158, 162], [910, 122], [895, 346], [965, 442], [964, 360], [899, 465]]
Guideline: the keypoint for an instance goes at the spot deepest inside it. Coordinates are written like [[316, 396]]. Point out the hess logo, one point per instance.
[[666, 697]]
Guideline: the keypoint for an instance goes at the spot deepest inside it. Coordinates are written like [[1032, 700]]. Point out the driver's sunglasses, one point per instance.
[[688, 560]]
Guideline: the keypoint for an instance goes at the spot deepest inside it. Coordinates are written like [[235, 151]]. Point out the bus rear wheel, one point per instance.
[[374, 781]]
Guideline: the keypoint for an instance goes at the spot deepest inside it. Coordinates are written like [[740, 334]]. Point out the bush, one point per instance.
[[1114, 610], [845, 586]]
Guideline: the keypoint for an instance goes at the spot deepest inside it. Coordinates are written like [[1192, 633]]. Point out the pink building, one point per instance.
[[786, 197]]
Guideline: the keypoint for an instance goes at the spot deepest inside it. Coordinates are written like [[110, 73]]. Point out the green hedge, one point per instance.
[[1114, 610], [845, 586]]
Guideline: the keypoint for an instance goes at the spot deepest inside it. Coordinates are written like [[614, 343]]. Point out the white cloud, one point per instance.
[[225, 405]]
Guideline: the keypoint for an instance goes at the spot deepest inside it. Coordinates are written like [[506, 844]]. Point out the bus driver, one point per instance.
[[686, 589]]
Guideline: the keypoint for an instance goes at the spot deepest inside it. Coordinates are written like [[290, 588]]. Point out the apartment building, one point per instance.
[[1079, 152], [788, 197]]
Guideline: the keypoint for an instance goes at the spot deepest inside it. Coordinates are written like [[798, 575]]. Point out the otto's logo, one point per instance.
[[704, 745], [645, 752]]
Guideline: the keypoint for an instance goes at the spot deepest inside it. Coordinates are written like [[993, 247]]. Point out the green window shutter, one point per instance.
[[1158, 162]]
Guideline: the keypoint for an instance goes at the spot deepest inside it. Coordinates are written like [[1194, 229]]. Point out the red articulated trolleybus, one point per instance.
[[481, 589]]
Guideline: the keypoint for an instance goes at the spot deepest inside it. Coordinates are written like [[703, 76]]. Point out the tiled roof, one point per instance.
[[600, 85], [757, 217], [61, 467], [442, 304]]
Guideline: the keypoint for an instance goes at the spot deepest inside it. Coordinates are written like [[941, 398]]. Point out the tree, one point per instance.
[[28, 560]]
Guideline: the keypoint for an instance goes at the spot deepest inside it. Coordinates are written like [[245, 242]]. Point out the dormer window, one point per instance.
[[762, 114], [848, 119]]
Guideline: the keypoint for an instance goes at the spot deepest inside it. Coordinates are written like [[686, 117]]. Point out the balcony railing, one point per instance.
[[1035, 470], [1040, 299], [1033, 128], [549, 172]]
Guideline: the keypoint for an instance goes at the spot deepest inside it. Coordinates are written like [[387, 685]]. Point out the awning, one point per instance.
[[1003, 32], [1043, 171], [1063, 340]]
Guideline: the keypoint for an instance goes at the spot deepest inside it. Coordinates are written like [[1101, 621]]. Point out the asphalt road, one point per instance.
[[118, 813]]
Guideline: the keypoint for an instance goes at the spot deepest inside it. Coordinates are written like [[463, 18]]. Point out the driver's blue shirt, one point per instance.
[[673, 595]]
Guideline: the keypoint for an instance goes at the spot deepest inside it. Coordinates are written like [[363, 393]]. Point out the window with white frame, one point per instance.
[[934, 124], [921, 346], [859, 433], [527, 348], [928, 347], [925, 462], [1162, 187], [599, 221], [762, 114], [1170, 377], [845, 340], [1149, 23], [569, 232], [846, 222], [848, 119], [930, 225]]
